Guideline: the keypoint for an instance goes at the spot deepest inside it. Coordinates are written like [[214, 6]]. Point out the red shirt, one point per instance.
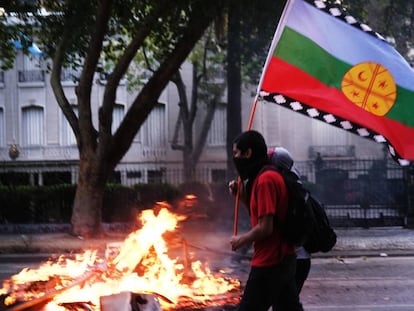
[[268, 197]]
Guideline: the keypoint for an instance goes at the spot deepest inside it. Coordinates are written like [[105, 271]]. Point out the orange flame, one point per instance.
[[141, 264]]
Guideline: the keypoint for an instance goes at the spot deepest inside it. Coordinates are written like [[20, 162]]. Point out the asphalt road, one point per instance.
[[340, 284], [360, 284], [14, 263]]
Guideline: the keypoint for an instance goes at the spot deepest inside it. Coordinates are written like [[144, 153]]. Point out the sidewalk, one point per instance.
[[350, 242], [373, 242]]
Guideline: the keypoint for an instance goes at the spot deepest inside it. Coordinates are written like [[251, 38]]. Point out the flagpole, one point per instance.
[[236, 208], [276, 38]]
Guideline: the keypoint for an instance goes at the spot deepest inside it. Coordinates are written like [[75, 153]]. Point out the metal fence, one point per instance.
[[360, 192], [354, 192]]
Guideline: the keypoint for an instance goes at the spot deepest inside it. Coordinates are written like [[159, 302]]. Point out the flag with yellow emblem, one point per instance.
[[327, 65]]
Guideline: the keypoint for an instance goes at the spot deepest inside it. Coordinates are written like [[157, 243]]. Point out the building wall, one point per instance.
[[280, 126]]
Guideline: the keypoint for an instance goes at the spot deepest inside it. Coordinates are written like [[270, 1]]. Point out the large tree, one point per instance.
[[83, 34], [206, 93], [199, 93]]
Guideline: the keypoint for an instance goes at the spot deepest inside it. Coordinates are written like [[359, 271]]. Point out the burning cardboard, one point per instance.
[[127, 301], [139, 265]]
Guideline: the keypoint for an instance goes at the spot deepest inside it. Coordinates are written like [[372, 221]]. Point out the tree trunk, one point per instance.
[[234, 84], [189, 166], [87, 207]]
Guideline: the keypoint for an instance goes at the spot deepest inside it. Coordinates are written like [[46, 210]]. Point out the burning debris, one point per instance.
[[137, 274]]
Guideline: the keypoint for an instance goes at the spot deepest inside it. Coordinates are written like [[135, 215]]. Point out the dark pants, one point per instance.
[[302, 272], [272, 286]]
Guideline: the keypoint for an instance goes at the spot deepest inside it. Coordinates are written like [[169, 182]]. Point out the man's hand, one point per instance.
[[235, 242], [262, 230], [233, 187]]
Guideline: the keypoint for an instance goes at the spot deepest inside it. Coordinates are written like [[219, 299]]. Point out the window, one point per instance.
[[32, 126], [32, 71], [68, 137], [31, 62], [2, 127], [117, 116], [155, 176], [154, 128], [217, 133], [15, 178], [56, 178]]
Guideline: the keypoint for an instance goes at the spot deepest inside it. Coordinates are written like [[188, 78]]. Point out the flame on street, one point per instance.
[[140, 264]]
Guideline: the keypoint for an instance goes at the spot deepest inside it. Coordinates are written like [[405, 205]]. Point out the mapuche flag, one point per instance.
[[325, 64]]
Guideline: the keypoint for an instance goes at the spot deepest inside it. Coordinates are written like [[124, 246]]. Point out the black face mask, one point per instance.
[[242, 166], [248, 168]]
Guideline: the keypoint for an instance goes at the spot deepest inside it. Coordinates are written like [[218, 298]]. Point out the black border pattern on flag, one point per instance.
[[331, 119]]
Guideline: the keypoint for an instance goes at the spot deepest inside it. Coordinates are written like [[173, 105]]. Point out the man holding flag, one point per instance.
[[271, 281], [326, 65]]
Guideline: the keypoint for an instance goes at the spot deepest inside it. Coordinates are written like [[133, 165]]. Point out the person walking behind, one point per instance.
[[283, 160], [271, 280]]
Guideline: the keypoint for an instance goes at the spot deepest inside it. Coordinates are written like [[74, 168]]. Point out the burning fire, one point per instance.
[[141, 264]]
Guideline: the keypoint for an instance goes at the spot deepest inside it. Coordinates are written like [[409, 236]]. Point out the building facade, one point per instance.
[[37, 145]]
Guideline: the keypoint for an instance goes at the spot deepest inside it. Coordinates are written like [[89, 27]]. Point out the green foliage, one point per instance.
[[53, 204], [393, 19], [28, 204], [149, 194], [118, 203], [258, 24], [49, 21]]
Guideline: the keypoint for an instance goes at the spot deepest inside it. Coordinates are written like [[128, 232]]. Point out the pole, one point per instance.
[[236, 207]]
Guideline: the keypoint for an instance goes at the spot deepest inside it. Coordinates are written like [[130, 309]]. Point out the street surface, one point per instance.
[[340, 284], [360, 284]]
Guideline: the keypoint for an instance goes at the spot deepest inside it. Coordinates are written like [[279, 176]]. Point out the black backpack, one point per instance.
[[306, 222], [322, 237]]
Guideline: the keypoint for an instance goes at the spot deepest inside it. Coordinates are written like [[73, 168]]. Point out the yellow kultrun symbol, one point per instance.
[[371, 87]]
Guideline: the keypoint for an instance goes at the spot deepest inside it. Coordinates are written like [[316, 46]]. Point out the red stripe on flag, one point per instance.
[[284, 78]]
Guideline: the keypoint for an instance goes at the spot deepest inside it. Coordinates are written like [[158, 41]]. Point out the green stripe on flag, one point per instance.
[[303, 53]]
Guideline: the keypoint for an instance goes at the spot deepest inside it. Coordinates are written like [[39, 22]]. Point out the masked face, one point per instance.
[[242, 162], [242, 165]]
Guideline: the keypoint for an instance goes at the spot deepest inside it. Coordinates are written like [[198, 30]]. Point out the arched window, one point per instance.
[[154, 128], [117, 116], [32, 126], [217, 133], [68, 137]]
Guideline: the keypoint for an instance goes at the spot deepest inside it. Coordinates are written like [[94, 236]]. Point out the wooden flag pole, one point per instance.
[[252, 112], [239, 181], [236, 207]]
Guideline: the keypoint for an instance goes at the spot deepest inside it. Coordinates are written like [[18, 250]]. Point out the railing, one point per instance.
[[354, 192], [31, 76], [340, 151]]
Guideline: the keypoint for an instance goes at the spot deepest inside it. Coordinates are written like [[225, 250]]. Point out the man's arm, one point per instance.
[[263, 229]]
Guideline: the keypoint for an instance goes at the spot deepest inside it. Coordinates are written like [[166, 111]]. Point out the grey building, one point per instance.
[[37, 145]]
